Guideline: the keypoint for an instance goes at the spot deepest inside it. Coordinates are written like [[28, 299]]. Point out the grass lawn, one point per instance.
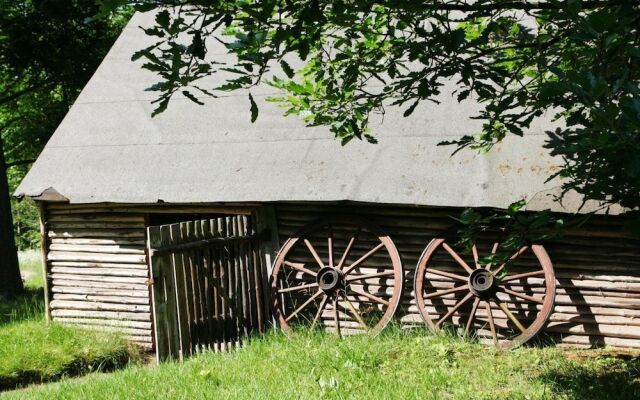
[[32, 351], [396, 364], [402, 365]]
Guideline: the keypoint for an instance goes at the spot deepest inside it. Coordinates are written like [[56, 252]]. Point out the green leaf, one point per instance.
[[254, 108]]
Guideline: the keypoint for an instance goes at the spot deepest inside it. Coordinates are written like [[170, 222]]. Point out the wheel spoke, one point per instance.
[[330, 246], [456, 257], [509, 278], [368, 276], [474, 251], [448, 291], [355, 313], [323, 304], [348, 249], [300, 267], [446, 274], [454, 309], [523, 296], [474, 308], [509, 315], [294, 288], [370, 296], [306, 303], [492, 324], [314, 253], [494, 249], [363, 258], [513, 257], [336, 317]]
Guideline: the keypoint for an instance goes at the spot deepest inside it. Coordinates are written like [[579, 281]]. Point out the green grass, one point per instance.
[[31, 268], [32, 351], [394, 365]]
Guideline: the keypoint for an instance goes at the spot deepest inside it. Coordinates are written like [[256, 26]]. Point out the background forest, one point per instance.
[[48, 51]]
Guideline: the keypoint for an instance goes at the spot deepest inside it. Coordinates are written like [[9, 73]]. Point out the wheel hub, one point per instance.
[[329, 279], [482, 283]]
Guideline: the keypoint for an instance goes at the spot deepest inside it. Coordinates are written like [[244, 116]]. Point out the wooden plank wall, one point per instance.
[[97, 270], [597, 268]]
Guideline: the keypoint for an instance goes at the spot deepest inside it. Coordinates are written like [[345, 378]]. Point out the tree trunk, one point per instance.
[[10, 279]]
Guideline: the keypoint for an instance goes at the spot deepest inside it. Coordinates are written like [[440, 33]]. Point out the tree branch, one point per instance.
[[18, 94]]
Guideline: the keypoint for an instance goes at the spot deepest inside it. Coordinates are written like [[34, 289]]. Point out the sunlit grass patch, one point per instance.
[[395, 364]]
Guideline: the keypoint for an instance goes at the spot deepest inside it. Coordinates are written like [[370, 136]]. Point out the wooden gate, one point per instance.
[[209, 285]]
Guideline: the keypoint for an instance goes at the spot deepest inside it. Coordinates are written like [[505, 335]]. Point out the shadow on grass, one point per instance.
[[28, 306], [22, 314], [602, 377], [78, 367]]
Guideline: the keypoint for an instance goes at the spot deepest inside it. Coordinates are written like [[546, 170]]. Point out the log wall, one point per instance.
[[97, 271], [97, 267], [597, 268]]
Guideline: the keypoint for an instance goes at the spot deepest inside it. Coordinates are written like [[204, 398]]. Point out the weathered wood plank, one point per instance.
[[142, 293], [88, 264], [98, 306], [182, 301], [113, 315], [90, 248], [96, 257], [99, 298], [107, 322], [100, 272], [65, 232]]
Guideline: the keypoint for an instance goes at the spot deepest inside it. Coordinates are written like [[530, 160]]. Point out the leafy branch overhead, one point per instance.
[[340, 62]]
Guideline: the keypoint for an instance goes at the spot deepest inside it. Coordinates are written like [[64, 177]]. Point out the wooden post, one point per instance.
[[44, 249]]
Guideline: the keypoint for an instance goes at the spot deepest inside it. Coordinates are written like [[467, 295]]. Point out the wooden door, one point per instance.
[[208, 285]]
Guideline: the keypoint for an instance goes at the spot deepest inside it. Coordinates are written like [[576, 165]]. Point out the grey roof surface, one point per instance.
[[110, 149]]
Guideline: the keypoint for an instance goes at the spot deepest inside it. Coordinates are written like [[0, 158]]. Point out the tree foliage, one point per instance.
[[576, 61], [48, 51]]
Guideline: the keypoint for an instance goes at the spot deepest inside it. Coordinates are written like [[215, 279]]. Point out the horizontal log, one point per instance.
[[91, 248], [95, 217], [145, 340], [126, 331], [143, 294], [101, 298], [500, 320], [597, 341], [103, 279], [99, 241], [96, 225], [96, 257], [618, 331], [89, 264], [138, 233], [106, 322], [114, 315], [100, 271], [100, 285], [90, 305]]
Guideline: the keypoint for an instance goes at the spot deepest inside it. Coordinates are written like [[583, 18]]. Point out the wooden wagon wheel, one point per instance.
[[514, 300], [340, 274]]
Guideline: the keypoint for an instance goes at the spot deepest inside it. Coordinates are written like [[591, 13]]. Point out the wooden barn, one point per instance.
[[196, 228]]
